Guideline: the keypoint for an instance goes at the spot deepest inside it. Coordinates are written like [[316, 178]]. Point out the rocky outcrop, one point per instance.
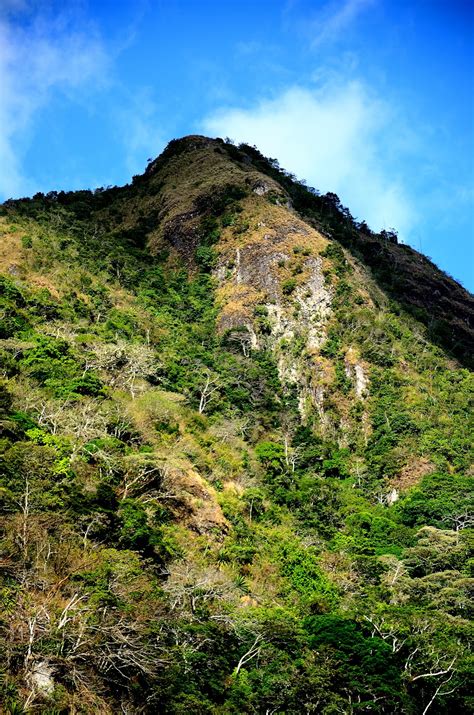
[[41, 679], [194, 502], [356, 372], [272, 285]]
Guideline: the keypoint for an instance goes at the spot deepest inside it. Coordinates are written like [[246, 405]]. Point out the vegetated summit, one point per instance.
[[236, 451]]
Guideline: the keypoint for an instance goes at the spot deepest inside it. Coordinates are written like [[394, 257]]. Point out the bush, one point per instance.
[[206, 257], [289, 286], [437, 501], [87, 385]]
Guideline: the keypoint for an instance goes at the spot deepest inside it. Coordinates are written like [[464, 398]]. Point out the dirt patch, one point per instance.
[[412, 474], [11, 251], [194, 503]]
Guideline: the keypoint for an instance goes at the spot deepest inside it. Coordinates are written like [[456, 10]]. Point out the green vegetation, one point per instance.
[[177, 534], [416, 284]]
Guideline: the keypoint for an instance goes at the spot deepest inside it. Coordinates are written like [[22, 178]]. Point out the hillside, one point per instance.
[[236, 451]]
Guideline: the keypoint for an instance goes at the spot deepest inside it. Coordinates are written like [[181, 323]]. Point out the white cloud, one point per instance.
[[39, 53], [338, 137], [335, 18]]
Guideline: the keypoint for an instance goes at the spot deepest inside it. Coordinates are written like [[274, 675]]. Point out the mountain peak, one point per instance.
[[193, 172], [234, 450]]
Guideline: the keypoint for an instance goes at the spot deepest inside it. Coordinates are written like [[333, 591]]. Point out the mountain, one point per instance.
[[236, 451]]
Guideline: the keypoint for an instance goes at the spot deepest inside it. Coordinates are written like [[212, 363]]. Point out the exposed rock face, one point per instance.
[[41, 678], [356, 373], [194, 501], [181, 233], [273, 270], [255, 265], [261, 188], [361, 380], [314, 300]]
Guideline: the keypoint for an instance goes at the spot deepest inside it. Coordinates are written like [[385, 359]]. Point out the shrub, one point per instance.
[[289, 286], [206, 257]]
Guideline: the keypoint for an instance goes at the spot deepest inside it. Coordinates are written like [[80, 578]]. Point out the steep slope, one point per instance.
[[434, 298], [236, 451]]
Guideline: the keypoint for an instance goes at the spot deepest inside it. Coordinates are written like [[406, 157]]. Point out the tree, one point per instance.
[[366, 671], [209, 389]]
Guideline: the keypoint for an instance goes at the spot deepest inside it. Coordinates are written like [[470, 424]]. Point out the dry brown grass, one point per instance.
[[15, 261], [412, 474], [11, 250]]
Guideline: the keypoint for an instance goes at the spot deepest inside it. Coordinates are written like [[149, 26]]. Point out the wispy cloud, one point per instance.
[[140, 130], [41, 52], [336, 137], [335, 17]]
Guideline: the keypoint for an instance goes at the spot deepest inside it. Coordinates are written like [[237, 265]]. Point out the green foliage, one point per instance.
[[301, 568], [343, 383], [206, 257], [440, 500], [135, 532], [6, 399], [378, 532], [334, 252], [15, 319], [365, 666], [332, 345], [289, 286], [336, 465], [243, 558], [120, 324], [272, 456], [77, 387]]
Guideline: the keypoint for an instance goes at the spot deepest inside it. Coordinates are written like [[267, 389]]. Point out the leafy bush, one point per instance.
[[441, 500], [288, 286]]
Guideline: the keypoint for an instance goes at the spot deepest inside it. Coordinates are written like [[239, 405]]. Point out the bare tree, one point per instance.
[[25, 513], [386, 632], [459, 521], [212, 384], [251, 653], [189, 585], [123, 364], [140, 475], [241, 336]]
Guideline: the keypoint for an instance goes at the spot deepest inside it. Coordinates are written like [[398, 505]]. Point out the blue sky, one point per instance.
[[372, 99]]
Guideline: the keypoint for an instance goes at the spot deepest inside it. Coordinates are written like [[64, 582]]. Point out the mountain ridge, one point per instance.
[[235, 451], [444, 306]]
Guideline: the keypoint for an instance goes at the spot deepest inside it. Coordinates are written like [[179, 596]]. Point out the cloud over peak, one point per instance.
[[334, 136]]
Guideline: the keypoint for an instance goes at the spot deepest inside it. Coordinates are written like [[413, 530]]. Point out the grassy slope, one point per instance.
[[149, 547], [409, 277]]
